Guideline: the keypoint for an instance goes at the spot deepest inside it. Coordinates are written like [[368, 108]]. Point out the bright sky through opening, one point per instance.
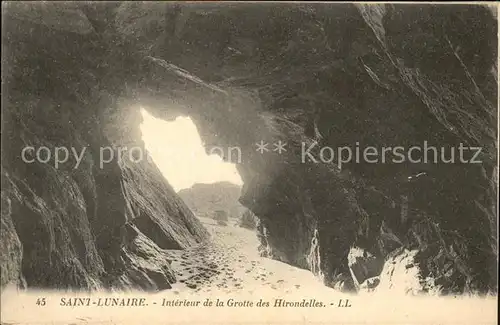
[[177, 150]]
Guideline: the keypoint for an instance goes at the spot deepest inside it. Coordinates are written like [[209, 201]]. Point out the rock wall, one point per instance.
[[80, 224], [405, 76], [332, 74]]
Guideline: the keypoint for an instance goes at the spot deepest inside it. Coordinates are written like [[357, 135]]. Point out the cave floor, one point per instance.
[[231, 264]]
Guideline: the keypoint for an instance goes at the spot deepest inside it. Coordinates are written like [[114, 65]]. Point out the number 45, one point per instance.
[[40, 301]]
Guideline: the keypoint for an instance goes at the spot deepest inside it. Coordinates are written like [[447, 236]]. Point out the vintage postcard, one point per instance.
[[249, 163]]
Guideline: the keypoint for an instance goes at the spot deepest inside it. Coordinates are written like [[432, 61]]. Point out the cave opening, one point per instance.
[[210, 186], [178, 150]]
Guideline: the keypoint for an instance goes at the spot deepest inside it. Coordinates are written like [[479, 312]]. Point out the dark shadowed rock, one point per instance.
[[281, 72], [363, 265], [248, 220], [146, 265], [61, 16], [71, 219], [11, 248]]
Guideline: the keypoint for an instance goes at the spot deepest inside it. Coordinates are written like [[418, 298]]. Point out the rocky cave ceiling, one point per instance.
[[332, 73]]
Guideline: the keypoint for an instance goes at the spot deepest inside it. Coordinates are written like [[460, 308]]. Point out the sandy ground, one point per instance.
[[232, 264], [229, 270]]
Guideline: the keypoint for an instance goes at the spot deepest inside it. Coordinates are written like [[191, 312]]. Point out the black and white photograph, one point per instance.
[[222, 162]]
